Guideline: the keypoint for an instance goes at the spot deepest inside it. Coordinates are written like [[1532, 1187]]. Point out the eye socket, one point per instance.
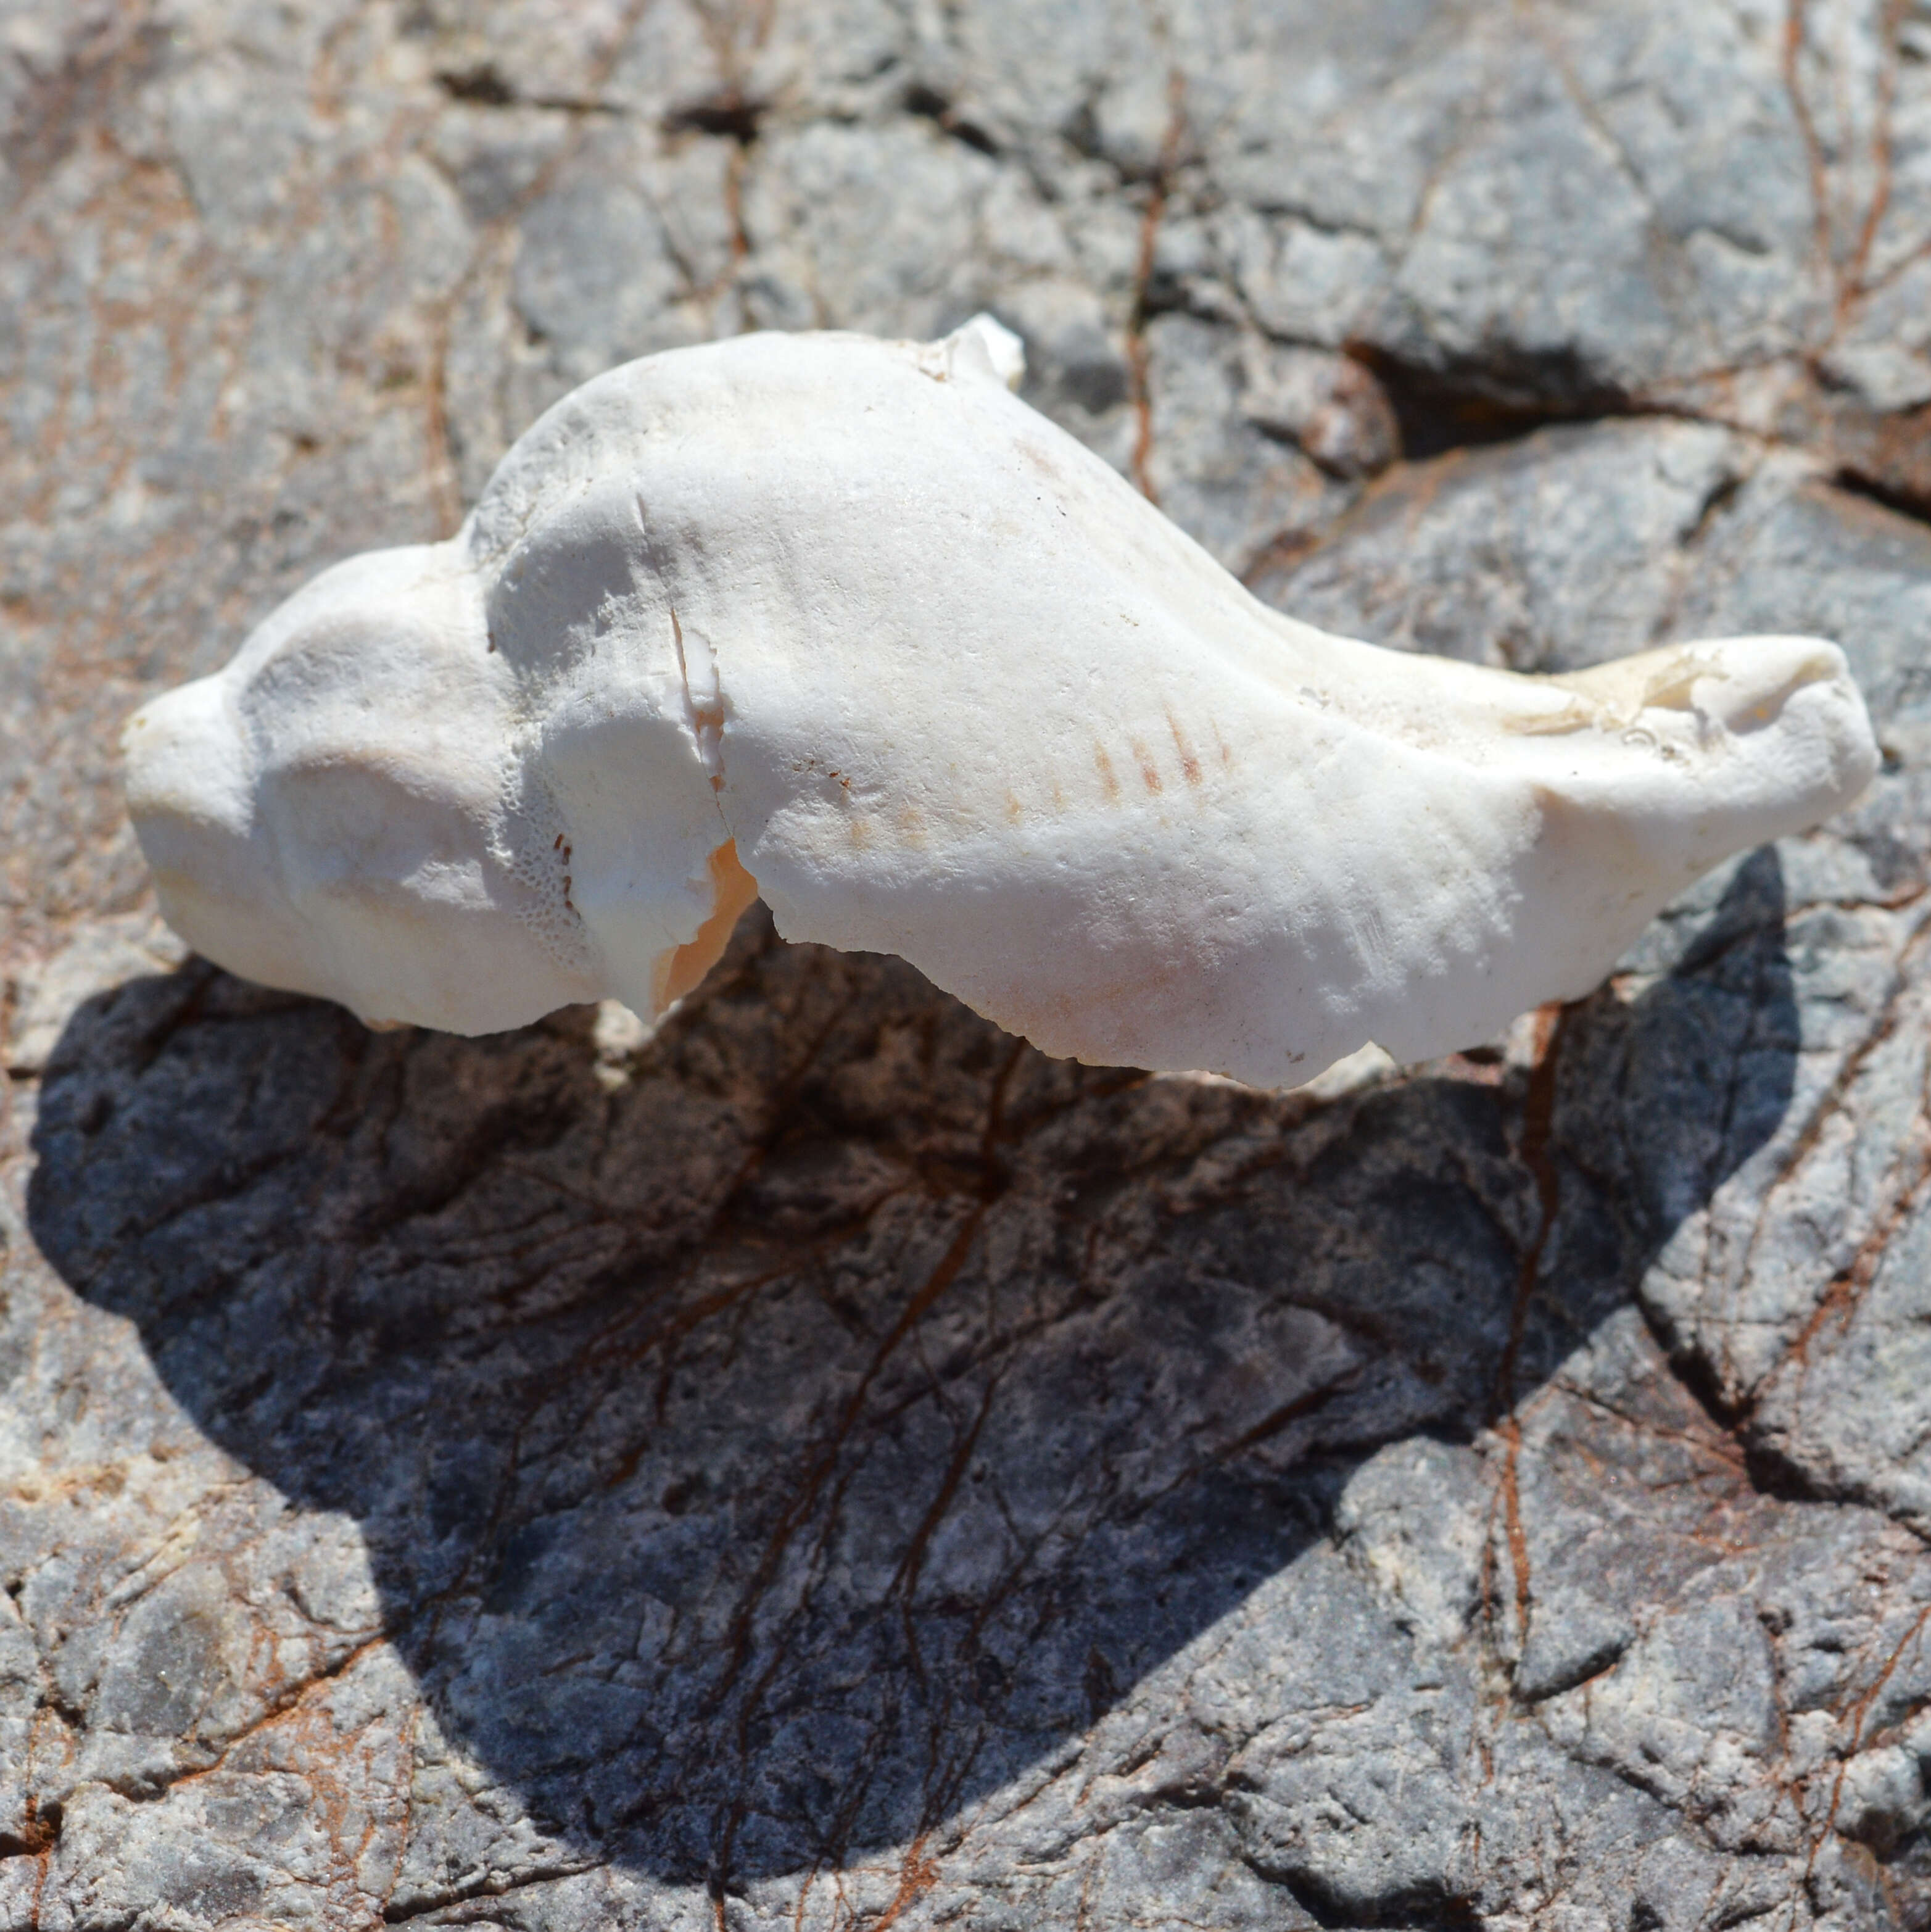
[[347, 825], [401, 907]]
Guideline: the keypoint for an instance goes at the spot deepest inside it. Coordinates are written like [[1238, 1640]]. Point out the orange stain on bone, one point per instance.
[[1189, 764], [1106, 778], [1150, 772], [732, 889]]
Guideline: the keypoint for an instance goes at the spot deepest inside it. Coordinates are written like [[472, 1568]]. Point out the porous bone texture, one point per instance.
[[824, 1466]]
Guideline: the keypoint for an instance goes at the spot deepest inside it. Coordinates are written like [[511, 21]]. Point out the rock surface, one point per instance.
[[828, 1465]]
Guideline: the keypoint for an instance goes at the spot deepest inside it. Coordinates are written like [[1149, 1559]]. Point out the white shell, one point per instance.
[[846, 618]]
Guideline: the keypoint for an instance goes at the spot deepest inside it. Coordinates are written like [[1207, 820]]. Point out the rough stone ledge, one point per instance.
[[826, 1465]]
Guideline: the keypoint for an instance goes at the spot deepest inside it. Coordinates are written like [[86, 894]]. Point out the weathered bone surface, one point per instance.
[[844, 623]]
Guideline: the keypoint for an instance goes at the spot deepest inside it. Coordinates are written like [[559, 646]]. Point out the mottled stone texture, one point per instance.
[[829, 1466]]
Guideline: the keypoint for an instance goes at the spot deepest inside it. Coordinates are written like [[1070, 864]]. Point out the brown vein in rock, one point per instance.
[[1846, 1291], [905, 1579], [1535, 1152], [1143, 278], [1852, 283], [738, 1638], [445, 488], [918, 1874], [1827, 1108], [1813, 146], [1857, 1713]]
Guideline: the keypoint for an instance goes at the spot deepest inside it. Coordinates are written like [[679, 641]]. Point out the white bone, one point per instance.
[[844, 623]]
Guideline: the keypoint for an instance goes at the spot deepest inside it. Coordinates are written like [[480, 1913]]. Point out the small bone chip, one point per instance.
[[844, 623]]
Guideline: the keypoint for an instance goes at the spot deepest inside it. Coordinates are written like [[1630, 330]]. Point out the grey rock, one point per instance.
[[1242, 438], [824, 1464]]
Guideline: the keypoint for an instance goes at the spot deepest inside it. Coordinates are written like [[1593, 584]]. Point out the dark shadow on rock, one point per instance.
[[766, 1449]]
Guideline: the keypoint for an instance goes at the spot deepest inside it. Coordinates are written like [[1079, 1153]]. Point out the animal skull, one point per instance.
[[843, 623]]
